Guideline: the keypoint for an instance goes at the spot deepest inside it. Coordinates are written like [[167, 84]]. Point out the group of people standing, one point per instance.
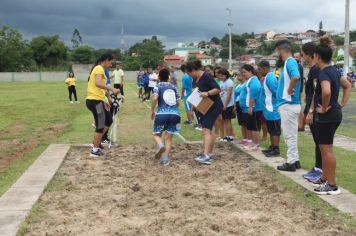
[[260, 98]]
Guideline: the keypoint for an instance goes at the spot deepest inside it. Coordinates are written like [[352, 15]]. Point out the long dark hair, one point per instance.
[[104, 57], [324, 49]]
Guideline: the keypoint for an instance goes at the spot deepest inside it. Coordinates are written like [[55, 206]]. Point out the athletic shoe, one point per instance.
[[273, 153], [327, 189], [297, 165], [160, 152], [165, 160], [270, 148], [204, 159], [313, 174], [98, 153], [101, 147], [105, 142], [318, 182], [188, 122], [199, 127], [245, 142], [251, 148], [287, 167], [219, 139], [71, 102], [228, 139]]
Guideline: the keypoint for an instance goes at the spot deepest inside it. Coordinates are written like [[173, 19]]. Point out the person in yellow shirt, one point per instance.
[[97, 101], [70, 81]]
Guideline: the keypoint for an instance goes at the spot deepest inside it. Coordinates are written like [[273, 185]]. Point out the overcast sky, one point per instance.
[[99, 22]]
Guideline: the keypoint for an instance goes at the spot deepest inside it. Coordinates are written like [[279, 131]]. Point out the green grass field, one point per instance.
[[39, 114]]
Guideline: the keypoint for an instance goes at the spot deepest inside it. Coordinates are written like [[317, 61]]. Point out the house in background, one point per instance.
[[173, 60]]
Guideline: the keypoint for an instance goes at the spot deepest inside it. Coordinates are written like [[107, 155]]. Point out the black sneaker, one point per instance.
[[187, 122], [273, 153], [318, 182], [287, 167], [297, 165], [327, 189], [228, 139], [105, 142], [98, 153], [270, 148]]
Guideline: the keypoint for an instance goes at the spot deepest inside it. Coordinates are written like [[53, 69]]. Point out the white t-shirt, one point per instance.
[[153, 77], [118, 75], [224, 87]]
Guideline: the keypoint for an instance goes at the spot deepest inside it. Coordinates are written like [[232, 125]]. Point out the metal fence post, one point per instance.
[[40, 75], [12, 77]]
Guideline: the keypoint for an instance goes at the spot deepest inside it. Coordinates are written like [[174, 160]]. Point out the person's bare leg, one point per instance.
[[168, 143], [158, 139], [329, 163], [228, 128], [264, 131], [208, 141], [243, 132], [275, 141], [255, 137]]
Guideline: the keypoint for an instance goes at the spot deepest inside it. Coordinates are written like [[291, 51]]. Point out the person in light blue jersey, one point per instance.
[[187, 88], [241, 117], [166, 117], [250, 104], [269, 108], [288, 102]]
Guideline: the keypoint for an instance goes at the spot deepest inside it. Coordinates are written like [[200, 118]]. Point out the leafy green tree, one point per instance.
[[353, 36], [215, 40], [76, 39], [338, 40], [49, 51], [115, 52], [149, 53], [83, 54], [15, 53], [321, 31], [192, 58]]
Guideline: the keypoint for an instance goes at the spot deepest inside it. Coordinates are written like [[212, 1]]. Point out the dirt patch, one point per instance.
[[130, 193], [13, 148]]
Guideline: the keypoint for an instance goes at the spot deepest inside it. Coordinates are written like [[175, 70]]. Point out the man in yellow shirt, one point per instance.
[[97, 101], [118, 75]]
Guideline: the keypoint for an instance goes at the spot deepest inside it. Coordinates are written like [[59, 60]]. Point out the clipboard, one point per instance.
[[201, 104]]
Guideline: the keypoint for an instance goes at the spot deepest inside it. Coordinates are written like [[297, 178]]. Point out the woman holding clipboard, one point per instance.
[[208, 89]]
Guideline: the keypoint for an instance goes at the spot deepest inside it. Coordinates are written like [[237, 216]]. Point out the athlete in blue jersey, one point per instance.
[[166, 117], [269, 108], [288, 102]]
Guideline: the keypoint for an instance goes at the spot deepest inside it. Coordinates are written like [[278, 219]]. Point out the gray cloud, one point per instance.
[[100, 22]]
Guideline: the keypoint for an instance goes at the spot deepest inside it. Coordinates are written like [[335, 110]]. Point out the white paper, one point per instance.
[[195, 98]]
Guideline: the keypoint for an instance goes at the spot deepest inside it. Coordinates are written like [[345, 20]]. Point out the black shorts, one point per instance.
[[325, 132], [102, 117], [208, 120], [229, 113], [254, 122], [242, 118], [274, 127], [121, 87]]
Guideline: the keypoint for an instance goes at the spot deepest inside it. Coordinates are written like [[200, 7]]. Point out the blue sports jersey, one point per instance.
[[290, 70], [187, 85], [251, 90], [167, 98], [107, 74], [269, 97], [237, 92], [146, 78]]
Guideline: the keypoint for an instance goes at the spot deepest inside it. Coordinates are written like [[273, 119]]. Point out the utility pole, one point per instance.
[[347, 38], [122, 40], [229, 24]]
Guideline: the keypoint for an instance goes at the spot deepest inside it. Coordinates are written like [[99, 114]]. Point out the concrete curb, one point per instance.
[[18, 201], [345, 202]]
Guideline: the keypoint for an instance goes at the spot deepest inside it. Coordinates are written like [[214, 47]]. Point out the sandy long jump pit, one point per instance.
[[130, 193]]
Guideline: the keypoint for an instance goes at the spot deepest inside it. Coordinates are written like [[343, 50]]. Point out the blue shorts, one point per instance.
[[186, 105], [140, 85], [169, 123]]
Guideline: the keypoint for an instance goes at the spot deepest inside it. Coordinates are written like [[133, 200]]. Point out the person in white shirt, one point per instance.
[[153, 79], [118, 76]]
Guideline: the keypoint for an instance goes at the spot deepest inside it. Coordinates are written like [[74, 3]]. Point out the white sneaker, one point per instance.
[[77, 102], [71, 102]]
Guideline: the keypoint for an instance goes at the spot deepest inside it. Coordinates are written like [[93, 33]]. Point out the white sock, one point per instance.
[[95, 149]]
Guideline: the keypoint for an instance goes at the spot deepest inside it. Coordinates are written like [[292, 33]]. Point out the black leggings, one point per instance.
[[148, 92], [102, 117], [318, 159], [72, 90]]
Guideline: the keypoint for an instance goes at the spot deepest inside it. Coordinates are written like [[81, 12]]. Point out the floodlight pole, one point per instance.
[[347, 38], [229, 24]]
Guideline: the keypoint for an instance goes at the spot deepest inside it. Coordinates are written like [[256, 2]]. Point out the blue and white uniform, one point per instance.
[[250, 90], [269, 97], [187, 85], [167, 115], [290, 70]]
